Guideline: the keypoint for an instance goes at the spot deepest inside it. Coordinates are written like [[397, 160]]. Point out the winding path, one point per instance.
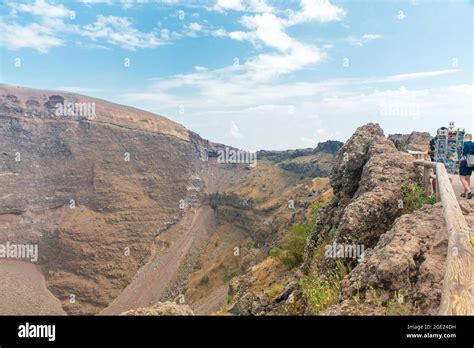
[[153, 280]]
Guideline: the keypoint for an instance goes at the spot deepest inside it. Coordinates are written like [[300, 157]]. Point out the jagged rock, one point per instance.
[[409, 261], [330, 146], [244, 305], [286, 292], [415, 141], [367, 178], [161, 308]]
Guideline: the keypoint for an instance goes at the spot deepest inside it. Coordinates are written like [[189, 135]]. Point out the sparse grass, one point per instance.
[[316, 206], [292, 251], [275, 290], [259, 199], [397, 307], [322, 291], [394, 306], [414, 197]]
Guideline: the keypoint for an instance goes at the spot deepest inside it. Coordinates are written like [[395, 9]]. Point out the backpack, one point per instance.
[[470, 158]]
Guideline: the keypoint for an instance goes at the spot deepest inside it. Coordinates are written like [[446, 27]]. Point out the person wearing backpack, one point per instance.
[[467, 166]]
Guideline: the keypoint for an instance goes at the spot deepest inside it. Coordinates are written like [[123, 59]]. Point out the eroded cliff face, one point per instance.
[[93, 192], [129, 209]]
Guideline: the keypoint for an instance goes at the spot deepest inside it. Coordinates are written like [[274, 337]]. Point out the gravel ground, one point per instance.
[[23, 291]]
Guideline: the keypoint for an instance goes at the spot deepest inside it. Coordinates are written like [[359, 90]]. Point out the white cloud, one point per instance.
[[219, 33], [268, 28], [92, 2], [317, 10], [241, 36], [126, 4], [235, 131], [324, 110], [242, 5], [41, 35], [421, 74], [225, 5], [120, 31], [195, 26], [36, 36], [361, 41], [200, 68], [194, 29], [42, 8], [267, 66]]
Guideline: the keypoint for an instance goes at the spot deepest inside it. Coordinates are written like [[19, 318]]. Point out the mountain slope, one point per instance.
[[129, 208]]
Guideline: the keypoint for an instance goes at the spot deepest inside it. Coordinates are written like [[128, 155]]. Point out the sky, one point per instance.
[[255, 74]]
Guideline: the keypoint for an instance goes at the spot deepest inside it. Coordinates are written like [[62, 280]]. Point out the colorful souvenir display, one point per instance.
[[448, 147]]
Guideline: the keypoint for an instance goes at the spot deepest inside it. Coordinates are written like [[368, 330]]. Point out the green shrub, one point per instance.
[[316, 206], [204, 280], [292, 251], [275, 290], [414, 197], [396, 307], [321, 291]]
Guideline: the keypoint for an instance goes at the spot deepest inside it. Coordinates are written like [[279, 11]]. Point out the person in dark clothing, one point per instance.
[[432, 149], [465, 170]]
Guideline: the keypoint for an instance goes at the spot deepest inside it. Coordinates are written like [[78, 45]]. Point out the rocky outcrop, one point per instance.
[[407, 265], [311, 163], [367, 179], [278, 156], [161, 308], [330, 146], [415, 141], [409, 261]]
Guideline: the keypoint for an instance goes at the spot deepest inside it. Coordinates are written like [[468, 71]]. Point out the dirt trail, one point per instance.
[[457, 186], [213, 302], [23, 290], [155, 278]]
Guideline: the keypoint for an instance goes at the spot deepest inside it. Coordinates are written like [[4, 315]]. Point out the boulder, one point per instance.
[[161, 308]]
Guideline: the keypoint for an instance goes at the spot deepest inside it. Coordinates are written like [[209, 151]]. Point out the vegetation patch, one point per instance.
[[414, 197], [292, 252], [275, 290], [321, 291]]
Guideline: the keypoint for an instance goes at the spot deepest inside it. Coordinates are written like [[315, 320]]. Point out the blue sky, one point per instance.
[[254, 74]]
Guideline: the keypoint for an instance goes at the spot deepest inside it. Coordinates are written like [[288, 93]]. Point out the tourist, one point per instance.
[[467, 166]]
